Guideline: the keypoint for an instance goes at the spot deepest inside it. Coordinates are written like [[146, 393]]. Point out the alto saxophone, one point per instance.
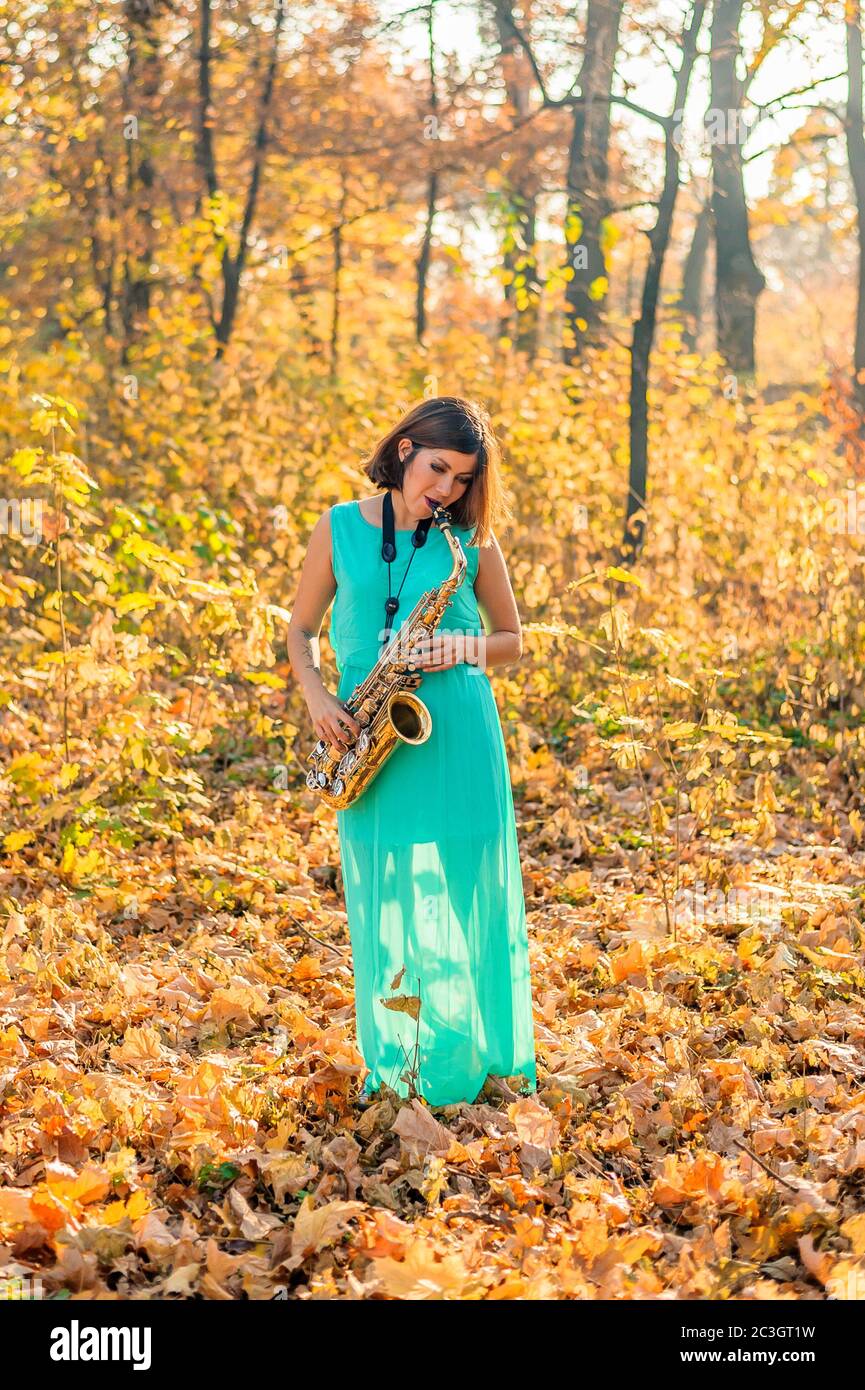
[[383, 703]]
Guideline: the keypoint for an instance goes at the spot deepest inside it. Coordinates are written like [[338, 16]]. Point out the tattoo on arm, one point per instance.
[[306, 652]]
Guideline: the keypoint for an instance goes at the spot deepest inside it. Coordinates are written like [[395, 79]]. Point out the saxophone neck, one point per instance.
[[442, 519]]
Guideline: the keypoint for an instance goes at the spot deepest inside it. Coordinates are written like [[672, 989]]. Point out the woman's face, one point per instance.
[[434, 475]]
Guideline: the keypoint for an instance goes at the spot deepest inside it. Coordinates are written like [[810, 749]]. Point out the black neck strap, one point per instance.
[[388, 529], [388, 553]]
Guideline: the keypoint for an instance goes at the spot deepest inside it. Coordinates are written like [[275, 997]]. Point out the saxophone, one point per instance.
[[383, 703]]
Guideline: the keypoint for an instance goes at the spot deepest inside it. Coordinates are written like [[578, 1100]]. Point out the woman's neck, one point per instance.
[[402, 519]]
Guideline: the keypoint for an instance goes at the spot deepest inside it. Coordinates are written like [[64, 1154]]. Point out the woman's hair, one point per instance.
[[449, 422]]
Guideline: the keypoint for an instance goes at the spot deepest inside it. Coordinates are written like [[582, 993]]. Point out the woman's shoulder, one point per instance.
[[353, 507], [344, 513]]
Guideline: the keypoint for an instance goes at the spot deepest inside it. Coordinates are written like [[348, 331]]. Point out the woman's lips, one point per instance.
[[432, 503]]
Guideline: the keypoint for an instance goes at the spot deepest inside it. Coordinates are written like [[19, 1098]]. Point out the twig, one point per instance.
[[339, 950], [765, 1166], [489, 1216]]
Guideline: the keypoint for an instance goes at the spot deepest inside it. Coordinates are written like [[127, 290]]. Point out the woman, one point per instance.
[[430, 862]]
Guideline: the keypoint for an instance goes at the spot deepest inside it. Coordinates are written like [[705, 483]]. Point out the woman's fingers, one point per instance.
[[329, 731], [350, 720], [341, 737], [340, 729], [424, 654], [337, 726], [438, 653]]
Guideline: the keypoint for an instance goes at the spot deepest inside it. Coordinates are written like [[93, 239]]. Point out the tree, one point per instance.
[[856, 155], [588, 178], [423, 262], [232, 264], [140, 90], [521, 283], [738, 280], [644, 328], [694, 276]]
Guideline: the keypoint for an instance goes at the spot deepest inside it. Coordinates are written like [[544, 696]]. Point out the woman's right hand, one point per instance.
[[327, 713]]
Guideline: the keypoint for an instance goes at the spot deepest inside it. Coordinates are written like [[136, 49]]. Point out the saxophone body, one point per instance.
[[384, 704]]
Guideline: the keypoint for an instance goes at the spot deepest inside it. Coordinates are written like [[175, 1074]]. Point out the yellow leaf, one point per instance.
[[679, 728], [265, 678], [617, 573], [25, 460], [17, 839], [421, 1275], [315, 1227], [610, 234], [131, 602], [68, 774], [573, 228], [747, 947]]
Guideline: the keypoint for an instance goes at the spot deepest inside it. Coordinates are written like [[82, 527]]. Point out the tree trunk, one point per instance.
[[856, 156], [522, 285], [232, 265], [303, 298], [140, 89], [738, 281], [644, 328], [694, 276], [588, 180], [424, 258], [425, 254]]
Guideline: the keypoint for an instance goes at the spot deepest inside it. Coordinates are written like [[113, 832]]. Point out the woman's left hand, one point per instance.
[[438, 652]]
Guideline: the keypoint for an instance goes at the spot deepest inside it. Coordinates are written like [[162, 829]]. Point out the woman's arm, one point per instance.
[[502, 642], [315, 592]]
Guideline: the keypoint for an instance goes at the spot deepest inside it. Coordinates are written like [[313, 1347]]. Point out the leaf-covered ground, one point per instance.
[[178, 1070], [178, 1077]]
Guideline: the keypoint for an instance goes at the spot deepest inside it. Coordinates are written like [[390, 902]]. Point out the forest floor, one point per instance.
[[179, 1075]]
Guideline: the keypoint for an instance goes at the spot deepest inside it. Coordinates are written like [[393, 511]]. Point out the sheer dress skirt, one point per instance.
[[433, 888]]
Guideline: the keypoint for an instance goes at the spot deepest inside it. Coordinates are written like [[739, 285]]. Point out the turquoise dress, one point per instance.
[[430, 861]]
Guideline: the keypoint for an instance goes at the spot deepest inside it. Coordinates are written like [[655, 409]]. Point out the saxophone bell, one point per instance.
[[411, 720]]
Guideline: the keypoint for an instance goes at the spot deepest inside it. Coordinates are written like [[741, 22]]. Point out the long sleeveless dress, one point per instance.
[[430, 860]]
